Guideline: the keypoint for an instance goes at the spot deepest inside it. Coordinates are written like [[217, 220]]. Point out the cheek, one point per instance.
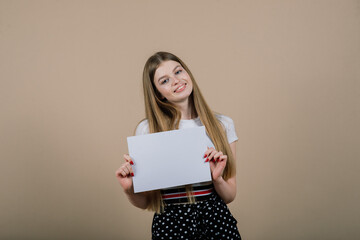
[[190, 84], [164, 90]]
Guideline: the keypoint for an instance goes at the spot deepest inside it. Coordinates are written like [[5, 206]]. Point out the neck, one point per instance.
[[187, 111]]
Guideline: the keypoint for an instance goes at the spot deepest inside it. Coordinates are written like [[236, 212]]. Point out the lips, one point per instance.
[[181, 88]]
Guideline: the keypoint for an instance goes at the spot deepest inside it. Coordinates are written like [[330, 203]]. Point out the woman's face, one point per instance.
[[173, 82]]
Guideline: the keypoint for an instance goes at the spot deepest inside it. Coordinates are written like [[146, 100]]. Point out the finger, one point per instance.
[[222, 158], [217, 156], [208, 154], [123, 173], [126, 170], [120, 172], [129, 169], [208, 151], [128, 159], [212, 154]]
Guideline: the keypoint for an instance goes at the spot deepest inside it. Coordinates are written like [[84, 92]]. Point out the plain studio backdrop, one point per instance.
[[286, 72]]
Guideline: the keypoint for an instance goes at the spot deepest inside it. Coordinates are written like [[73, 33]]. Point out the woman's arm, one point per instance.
[[124, 175], [139, 200], [225, 189]]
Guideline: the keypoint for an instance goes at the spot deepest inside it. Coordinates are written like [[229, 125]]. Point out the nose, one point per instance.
[[176, 80]]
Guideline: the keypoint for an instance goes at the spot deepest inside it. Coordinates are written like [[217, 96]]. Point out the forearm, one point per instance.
[[226, 189], [139, 200]]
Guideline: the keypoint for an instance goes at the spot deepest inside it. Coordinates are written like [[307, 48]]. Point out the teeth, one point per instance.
[[180, 88]]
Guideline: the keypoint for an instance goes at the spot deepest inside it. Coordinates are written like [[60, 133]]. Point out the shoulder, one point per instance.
[[142, 128], [226, 121], [229, 127]]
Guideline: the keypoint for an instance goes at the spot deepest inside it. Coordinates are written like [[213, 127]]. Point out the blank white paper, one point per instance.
[[169, 159]]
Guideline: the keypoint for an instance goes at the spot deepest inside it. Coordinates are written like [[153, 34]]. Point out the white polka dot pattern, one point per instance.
[[210, 219]]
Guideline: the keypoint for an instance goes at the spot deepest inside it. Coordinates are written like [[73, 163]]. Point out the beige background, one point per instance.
[[287, 72]]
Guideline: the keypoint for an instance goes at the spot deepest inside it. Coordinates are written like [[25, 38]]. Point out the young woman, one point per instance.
[[199, 211]]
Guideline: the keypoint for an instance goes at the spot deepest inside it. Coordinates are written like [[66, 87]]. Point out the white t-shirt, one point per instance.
[[227, 122]]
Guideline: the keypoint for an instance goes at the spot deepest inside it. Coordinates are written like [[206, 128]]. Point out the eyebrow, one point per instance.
[[173, 70]]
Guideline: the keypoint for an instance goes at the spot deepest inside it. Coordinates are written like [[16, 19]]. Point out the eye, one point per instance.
[[178, 71], [164, 81]]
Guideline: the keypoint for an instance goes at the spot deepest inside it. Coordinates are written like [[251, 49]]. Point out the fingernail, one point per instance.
[[207, 160], [132, 174], [131, 162], [205, 156]]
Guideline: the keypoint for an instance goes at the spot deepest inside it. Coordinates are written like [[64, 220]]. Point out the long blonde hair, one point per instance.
[[164, 116]]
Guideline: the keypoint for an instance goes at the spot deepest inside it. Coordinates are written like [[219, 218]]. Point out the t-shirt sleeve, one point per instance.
[[229, 126], [142, 128]]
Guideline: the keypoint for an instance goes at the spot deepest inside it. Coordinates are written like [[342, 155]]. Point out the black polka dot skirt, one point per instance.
[[209, 219]]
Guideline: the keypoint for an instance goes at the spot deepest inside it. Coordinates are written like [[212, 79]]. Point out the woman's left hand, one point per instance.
[[217, 162]]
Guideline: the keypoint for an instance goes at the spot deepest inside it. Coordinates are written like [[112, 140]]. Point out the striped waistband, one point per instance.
[[178, 195]]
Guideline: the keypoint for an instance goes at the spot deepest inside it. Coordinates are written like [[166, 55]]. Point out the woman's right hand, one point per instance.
[[125, 173]]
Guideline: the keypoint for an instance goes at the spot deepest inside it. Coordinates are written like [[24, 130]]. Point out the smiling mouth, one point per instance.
[[179, 89]]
